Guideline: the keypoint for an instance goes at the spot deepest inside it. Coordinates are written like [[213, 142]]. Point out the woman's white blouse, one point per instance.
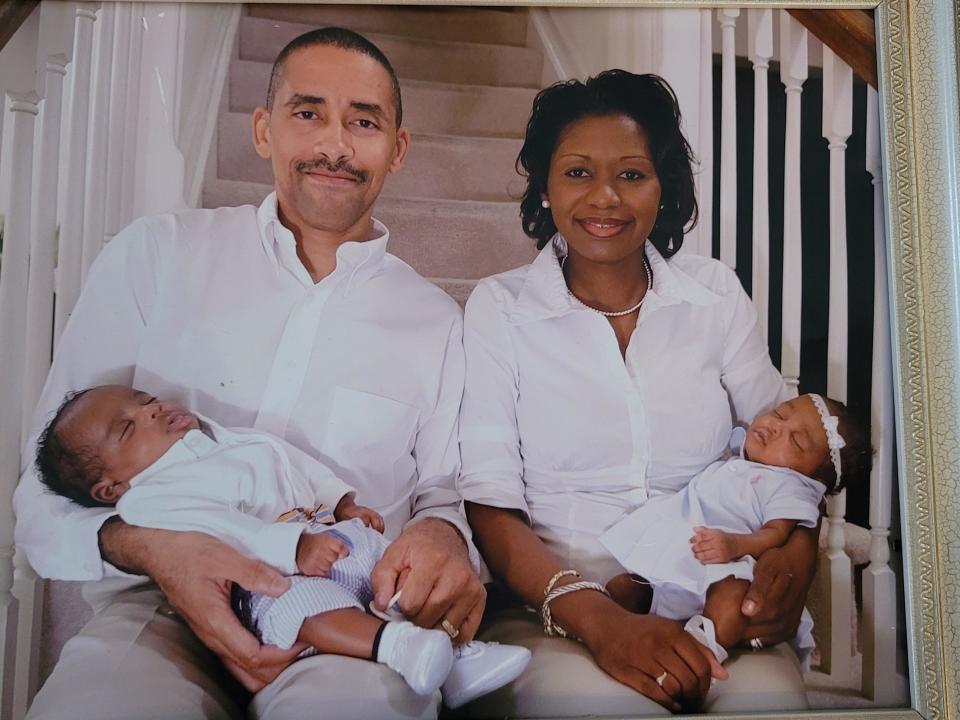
[[557, 424]]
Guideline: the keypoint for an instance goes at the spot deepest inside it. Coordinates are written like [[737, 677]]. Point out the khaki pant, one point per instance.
[[136, 660], [563, 681]]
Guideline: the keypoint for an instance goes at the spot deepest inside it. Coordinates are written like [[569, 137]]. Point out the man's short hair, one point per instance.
[[341, 38]]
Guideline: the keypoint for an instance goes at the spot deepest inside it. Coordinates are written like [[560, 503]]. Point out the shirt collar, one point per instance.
[[359, 260], [544, 293]]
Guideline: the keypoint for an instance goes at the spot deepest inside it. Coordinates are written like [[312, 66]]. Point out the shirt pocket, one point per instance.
[[371, 438]]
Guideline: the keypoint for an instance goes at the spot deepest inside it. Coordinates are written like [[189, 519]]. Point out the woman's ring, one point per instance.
[[449, 629], [756, 643], [661, 678]]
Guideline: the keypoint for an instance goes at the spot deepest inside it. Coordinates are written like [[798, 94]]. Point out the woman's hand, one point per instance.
[[637, 649], [778, 592]]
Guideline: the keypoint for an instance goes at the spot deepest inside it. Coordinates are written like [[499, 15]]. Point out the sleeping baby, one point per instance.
[[692, 554], [165, 467]]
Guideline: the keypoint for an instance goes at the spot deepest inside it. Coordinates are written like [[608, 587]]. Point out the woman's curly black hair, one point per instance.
[[652, 104], [67, 469]]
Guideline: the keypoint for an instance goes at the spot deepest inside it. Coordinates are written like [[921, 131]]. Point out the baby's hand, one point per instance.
[[316, 553], [713, 546], [347, 510]]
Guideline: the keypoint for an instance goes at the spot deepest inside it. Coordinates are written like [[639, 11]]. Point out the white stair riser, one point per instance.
[[438, 61], [461, 24]]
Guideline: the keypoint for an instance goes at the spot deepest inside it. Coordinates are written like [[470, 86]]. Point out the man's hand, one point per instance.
[[713, 546], [347, 509], [430, 562], [316, 553], [777, 594], [196, 571]]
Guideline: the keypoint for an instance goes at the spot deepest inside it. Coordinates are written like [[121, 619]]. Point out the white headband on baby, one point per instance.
[[835, 440]]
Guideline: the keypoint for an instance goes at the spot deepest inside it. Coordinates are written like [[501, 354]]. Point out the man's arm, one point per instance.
[[434, 560], [195, 572]]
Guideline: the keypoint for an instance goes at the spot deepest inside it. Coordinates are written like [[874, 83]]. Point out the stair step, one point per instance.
[[437, 166], [262, 40], [463, 24], [428, 107], [453, 241]]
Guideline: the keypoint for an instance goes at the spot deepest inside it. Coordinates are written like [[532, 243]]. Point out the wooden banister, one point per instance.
[[13, 13], [849, 33]]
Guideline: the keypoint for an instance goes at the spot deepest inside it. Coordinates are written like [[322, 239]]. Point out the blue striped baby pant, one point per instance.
[[277, 621]]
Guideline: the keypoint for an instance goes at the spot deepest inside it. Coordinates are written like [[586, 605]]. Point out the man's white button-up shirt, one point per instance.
[[558, 424], [213, 308]]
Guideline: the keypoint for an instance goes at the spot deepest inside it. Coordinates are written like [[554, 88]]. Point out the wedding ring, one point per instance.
[[661, 678], [756, 643], [449, 629]]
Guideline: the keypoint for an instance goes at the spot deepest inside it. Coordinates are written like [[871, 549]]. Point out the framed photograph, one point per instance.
[[826, 174]]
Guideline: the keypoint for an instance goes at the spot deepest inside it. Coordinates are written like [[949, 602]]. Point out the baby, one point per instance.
[[164, 467], [695, 551]]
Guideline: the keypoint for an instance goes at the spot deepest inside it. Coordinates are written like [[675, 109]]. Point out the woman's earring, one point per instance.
[[670, 244], [545, 203]]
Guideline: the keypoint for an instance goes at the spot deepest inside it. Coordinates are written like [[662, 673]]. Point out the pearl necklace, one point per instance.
[[621, 313]]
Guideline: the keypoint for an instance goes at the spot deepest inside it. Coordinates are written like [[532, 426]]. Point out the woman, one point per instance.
[[598, 376]]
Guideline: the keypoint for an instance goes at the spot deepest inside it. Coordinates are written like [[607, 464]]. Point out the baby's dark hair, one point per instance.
[[65, 468], [856, 456]]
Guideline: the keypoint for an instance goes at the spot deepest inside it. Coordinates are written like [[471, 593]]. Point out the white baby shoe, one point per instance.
[[422, 657], [480, 668]]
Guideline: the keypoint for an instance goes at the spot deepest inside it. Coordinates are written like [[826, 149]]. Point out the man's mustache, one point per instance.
[[324, 164]]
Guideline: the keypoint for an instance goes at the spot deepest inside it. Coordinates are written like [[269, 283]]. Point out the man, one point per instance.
[[291, 319]]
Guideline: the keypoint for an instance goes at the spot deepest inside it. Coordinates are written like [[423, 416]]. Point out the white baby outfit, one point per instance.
[[734, 495], [234, 484]]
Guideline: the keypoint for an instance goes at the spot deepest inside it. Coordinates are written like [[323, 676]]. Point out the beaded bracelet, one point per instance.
[[551, 593]]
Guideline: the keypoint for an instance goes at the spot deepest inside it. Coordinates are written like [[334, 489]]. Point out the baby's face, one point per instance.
[[128, 429], [790, 436]]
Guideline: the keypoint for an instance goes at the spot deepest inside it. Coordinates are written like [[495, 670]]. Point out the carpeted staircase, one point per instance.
[[468, 83]]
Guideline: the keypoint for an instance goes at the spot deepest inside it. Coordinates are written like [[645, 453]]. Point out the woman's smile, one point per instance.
[[602, 227]]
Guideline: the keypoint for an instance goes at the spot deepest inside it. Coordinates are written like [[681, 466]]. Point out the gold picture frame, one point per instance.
[[919, 88]]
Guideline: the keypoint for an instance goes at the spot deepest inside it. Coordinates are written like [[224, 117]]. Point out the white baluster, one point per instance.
[[97, 180], [728, 138], [793, 73], [837, 124], [74, 181], [43, 242], [55, 46], [21, 109], [113, 218], [760, 32], [704, 178], [881, 681], [129, 123]]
